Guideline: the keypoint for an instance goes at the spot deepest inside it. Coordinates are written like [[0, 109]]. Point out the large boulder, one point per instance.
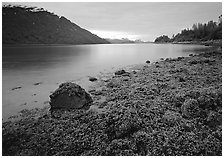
[[70, 96]]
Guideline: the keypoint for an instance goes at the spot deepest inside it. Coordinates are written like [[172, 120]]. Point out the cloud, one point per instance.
[[135, 19]]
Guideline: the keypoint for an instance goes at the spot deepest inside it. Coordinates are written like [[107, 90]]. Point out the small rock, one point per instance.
[[16, 88], [159, 80], [167, 59], [120, 72], [191, 55], [181, 79], [161, 58], [147, 61], [92, 79], [206, 61], [126, 74], [193, 62], [180, 58], [38, 83], [92, 91], [134, 72]]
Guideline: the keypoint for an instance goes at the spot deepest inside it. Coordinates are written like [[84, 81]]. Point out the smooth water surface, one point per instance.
[[48, 66]]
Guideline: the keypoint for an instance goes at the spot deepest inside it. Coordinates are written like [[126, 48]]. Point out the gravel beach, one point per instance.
[[171, 107]]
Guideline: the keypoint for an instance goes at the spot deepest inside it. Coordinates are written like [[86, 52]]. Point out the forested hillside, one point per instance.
[[30, 25], [199, 32]]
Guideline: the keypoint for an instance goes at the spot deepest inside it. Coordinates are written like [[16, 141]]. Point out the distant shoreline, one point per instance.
[[206, 43], [36, 45]]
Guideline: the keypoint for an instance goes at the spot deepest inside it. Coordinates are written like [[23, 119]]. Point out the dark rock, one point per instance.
[[161, 58], [191, 55], [193, 62], [180, 58], [92, 79], [126, 74], [147, 61], [181, 79], [120, 72], [69, 96], [16, 88], [170, 60], [159, 80], [38, 83], [92, 91], [206, 61]]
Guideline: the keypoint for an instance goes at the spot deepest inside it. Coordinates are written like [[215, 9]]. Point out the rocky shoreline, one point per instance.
[[171, 107]]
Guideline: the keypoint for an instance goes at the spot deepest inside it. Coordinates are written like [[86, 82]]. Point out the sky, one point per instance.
[[133, 20]]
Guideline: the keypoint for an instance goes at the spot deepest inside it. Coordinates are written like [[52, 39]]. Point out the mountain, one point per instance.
[[123, 41], [119, 41], [31, 25], [139, 41]]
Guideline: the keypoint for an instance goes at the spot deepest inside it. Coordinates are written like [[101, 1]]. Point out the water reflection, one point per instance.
[[51, 65]]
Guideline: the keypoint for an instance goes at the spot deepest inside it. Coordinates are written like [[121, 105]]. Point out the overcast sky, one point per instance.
[[143, 20]]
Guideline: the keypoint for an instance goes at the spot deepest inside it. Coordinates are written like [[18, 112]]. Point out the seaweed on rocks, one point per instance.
[[143, 116]]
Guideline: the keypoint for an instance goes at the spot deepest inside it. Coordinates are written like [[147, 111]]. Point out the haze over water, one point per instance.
[[51, 65]]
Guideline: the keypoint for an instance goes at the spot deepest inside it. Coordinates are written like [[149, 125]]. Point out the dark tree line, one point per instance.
[[199, 32]]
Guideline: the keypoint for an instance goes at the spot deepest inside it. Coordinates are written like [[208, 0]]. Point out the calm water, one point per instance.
[[52, 65]]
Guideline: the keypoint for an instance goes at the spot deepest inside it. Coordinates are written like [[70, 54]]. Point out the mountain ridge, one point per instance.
[[30, 25]]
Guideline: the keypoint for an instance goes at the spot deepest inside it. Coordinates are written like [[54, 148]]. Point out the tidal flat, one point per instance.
[[170, 107]]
